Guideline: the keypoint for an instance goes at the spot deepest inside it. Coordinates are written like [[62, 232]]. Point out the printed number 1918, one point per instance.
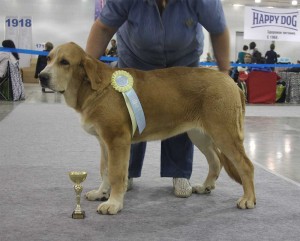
[[14, 22]]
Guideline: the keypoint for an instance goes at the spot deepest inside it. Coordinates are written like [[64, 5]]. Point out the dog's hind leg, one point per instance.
[[232, 147], [103, 192], [245, 169], [225, 126], [205, 144]]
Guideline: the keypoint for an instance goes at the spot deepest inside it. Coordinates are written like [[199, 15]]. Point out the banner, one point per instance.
[[25, 39], [274, 24], [12, 29], [19, 30]]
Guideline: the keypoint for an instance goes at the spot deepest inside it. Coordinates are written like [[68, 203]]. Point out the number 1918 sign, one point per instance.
[[19, 30], [15, 22]]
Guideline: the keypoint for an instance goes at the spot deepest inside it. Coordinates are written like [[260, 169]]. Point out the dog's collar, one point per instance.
[[122, 82]]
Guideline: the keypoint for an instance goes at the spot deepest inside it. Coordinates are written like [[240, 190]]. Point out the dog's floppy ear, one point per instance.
[[91, 68]]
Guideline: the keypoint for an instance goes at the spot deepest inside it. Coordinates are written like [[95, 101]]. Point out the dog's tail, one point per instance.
[[229, 167]]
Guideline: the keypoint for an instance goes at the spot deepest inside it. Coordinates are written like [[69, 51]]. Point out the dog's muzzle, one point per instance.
[[44, 79]]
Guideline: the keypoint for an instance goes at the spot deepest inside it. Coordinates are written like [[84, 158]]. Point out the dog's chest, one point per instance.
[[89, 128]]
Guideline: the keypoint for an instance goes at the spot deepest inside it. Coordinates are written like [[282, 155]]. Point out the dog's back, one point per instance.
[[182, 98]]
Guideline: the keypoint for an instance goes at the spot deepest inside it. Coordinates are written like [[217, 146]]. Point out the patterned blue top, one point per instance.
[[148, 40]]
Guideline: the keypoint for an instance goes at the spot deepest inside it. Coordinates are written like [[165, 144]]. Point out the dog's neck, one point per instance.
[[86, 95], [71, 97]]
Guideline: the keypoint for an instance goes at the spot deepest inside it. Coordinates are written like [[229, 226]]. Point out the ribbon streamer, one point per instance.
[[122, 82]]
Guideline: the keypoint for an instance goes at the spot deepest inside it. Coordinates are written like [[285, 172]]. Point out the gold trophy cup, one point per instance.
[[78, 178]]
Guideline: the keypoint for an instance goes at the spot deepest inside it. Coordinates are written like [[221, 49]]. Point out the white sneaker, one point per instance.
[[182, 187], [129, 183]]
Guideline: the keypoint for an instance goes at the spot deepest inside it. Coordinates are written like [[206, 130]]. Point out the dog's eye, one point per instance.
[[48, 59], [64, 62]]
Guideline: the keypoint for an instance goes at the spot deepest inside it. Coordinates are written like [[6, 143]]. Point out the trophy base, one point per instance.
[[78, 215]]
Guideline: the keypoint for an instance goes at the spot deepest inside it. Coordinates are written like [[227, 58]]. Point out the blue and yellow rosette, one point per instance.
[[122, 82]]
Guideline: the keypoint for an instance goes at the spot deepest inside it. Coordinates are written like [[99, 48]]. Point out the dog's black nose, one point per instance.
[[44, 78]]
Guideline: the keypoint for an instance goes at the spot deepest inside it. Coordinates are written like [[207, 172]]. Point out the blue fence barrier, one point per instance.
[[112, 59]]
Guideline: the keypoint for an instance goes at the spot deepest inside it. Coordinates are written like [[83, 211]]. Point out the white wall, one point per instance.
[[61, 21], [57, 21]]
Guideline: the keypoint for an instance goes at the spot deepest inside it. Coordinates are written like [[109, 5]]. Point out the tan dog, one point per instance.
[[202, 102]]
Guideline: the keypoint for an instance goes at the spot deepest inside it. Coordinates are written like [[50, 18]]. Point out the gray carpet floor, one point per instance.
[[41, 143]]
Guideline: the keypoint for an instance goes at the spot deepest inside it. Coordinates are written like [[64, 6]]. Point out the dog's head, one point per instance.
[[67, 66]]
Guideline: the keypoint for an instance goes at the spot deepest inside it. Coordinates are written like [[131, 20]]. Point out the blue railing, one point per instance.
[[112, 59]]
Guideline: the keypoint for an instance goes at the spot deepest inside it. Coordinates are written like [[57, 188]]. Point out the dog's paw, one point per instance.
[[110, 207], [246, 203], [96, 195], [203, 189]]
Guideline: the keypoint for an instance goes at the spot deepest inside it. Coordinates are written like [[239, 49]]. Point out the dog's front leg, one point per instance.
[[103, 192], [118, 159]]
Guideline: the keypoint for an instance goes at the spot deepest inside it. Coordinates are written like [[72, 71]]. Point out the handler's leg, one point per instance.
[[137, 154], [177, 162]]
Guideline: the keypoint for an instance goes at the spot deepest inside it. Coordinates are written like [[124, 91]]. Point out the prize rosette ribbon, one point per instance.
[[122, 82]]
